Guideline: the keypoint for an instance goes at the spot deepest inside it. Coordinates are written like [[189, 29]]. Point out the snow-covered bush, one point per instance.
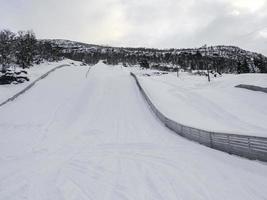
[[13, 75], [19, 51]]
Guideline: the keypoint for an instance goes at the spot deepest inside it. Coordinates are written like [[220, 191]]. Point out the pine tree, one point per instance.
[[25, 48], [6, 49], [243, 67], [144, 64]]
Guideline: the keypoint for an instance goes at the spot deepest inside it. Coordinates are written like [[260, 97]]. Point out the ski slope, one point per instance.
[[72, 137]]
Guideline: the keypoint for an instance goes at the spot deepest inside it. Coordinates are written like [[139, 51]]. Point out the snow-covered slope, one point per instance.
[[34, 72], [72, 137], [214, 106]]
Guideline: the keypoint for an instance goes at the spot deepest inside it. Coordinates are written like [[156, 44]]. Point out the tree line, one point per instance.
[[22, 50], [166, 60]]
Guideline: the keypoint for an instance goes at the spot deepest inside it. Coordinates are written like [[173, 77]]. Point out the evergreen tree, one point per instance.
[[6, 49], [261, 64], [243, 67], [144, 64], [25, 48]]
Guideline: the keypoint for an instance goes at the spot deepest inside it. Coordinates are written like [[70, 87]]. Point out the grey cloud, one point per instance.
[[152, 23]]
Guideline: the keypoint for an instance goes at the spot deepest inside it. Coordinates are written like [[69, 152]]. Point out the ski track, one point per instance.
[[96, 138]]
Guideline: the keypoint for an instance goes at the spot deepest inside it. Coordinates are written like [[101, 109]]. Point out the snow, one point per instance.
[[34, 72], [214, 106], [72, 137]]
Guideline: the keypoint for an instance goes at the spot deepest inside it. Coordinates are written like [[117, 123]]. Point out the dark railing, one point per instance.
[[253, 88]]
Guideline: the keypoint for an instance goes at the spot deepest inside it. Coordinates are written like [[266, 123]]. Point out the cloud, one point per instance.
[[152, 23]]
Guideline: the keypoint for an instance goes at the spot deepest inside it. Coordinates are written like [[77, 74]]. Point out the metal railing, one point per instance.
[[251, 147]]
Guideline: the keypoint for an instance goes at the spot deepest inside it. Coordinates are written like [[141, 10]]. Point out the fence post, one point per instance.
[[211, 143], [199, 136], [229, 145], [250, 150]]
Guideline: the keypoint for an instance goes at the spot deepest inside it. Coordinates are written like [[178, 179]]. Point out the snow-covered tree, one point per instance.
[[6, 49], [25, 48]]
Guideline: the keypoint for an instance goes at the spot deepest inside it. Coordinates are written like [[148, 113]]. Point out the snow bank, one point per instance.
[[213, 106], [34, 72]]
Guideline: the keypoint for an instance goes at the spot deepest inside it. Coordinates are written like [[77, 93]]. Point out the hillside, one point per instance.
[[229, 59]]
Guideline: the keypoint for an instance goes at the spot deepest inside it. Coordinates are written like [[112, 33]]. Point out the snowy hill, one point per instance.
[[221, 58], [213, 106], [220, 50], [74, 136]]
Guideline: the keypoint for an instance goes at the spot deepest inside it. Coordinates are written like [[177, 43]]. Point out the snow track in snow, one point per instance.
[[72, 137]]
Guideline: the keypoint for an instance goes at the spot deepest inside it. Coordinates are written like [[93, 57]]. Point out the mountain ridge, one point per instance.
[[225, 58], [66, 41]]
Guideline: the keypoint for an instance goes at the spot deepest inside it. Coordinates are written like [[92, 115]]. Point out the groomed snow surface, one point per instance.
[[72, 137], [214, 106], [7, 91]]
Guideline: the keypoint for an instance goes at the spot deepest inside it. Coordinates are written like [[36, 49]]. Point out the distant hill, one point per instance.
[[220, 58]]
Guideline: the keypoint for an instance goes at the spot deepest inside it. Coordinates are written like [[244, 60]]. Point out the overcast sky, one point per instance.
[[150, 23]]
